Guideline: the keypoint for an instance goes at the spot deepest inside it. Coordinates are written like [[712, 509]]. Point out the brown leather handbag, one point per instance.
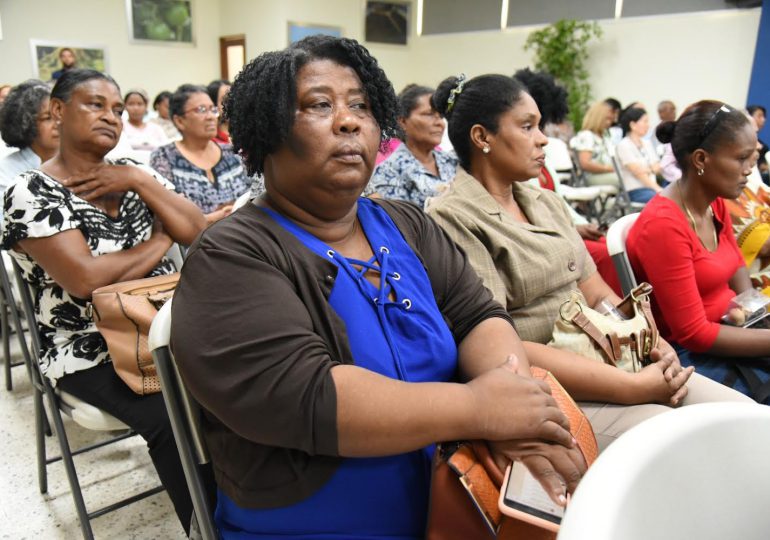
[[123, 313], [466, 482]]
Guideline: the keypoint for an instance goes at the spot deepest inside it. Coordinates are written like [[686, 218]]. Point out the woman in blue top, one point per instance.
[[332, 340]]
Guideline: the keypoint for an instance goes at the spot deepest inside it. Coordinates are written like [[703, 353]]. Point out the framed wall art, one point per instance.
[[49, 58], [160, 21], [298, 31], [386, 22]]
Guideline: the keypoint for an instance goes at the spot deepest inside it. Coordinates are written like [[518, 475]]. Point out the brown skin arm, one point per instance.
[[591, 166], [67, 258], [180, 217], [380, 416]]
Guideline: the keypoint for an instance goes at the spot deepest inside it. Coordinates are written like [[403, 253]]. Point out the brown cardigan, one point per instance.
[[255, 338]]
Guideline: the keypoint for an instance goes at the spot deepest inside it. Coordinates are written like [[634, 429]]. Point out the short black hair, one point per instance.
[[72, 78], [754, 108], [632, 114], [165, 94], [178, 101], [18, 115], [613, 103], [550, 97], [482, 101], [261, 103], [214, 86], [686, 135]]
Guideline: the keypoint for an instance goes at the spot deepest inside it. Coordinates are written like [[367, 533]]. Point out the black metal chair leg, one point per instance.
[[6, 330], [69, 467], [41, 424]]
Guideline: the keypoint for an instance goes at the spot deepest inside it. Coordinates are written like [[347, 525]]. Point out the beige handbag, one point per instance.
[[623, 343], [123, 313]]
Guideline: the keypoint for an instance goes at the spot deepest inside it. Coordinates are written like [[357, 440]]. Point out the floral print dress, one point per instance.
[[37, 206]]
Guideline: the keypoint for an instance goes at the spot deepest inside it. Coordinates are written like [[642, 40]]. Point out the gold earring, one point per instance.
[[486, 149]]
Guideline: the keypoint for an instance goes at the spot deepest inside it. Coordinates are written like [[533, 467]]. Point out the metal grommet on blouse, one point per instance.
[[383, 249], [407, 303], [330, 253], [396, 276]]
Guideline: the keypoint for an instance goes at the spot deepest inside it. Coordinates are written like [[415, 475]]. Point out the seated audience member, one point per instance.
[[26, 124], [140, 134], [666, 113], [759, 113], [4, 91], [160, 105], [205, 172], [417, 169], [217, 91], [551, 101], [594, 151], [669, 168], [683, 244], [638, 162], [521, 241], [614, 132], [78, 223], [344, 321]]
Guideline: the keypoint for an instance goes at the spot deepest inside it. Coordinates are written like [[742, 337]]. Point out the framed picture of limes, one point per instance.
[[164, 21]]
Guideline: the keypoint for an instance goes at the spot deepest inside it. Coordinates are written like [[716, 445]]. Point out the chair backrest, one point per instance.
[[616, 246], [558, 159], [696, 472], [184, 414]]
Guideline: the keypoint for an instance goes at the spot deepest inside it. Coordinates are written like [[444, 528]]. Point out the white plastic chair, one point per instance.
[[616, 246], [699, 472]]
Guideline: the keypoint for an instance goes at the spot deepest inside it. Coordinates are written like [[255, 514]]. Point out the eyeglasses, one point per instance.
[[202, 109], [712, 123]]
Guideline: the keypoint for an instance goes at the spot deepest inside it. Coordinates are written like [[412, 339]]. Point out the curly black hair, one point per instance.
[[18, 115], [550, 97], [261, 103]]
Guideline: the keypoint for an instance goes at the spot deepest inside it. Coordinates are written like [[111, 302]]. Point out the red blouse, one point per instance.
[[690, 283]]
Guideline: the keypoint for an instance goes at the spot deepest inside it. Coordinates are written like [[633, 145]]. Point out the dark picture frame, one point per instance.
[[386, 22]]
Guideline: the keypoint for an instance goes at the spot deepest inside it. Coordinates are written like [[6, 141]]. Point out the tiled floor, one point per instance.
[[106, 475]]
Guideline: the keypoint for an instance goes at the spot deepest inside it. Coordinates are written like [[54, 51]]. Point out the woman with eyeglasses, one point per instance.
[[683, 244], [207, 173], [417, 169]]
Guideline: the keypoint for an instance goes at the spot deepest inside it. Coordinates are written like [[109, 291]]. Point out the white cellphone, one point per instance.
[[522, 497]]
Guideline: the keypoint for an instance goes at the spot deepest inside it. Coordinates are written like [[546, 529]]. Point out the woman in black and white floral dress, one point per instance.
[[78, 223]]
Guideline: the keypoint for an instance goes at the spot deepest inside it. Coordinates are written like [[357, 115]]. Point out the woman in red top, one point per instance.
[[684, 246]]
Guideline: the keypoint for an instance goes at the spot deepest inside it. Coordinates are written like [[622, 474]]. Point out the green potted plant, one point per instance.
[[561, 49]]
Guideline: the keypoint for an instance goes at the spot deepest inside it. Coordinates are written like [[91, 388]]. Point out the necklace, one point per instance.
[[691, 219]]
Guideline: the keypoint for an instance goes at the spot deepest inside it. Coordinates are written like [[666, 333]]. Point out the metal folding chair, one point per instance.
[[9, 309], [184, 414], [81, 412]]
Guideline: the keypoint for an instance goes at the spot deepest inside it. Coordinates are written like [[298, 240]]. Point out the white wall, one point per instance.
[[103, 23], [265, 24], [679, 57]]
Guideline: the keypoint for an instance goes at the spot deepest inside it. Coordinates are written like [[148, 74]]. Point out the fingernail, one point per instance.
[[574, 441], [562, 500]]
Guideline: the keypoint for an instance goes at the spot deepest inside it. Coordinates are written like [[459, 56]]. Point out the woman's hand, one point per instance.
[[664, 380], [107, 178], [558, 469], [508, 407], [589, 231], [222, 211]]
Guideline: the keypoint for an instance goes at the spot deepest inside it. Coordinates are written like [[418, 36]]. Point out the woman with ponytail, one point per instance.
[[683, 244]]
